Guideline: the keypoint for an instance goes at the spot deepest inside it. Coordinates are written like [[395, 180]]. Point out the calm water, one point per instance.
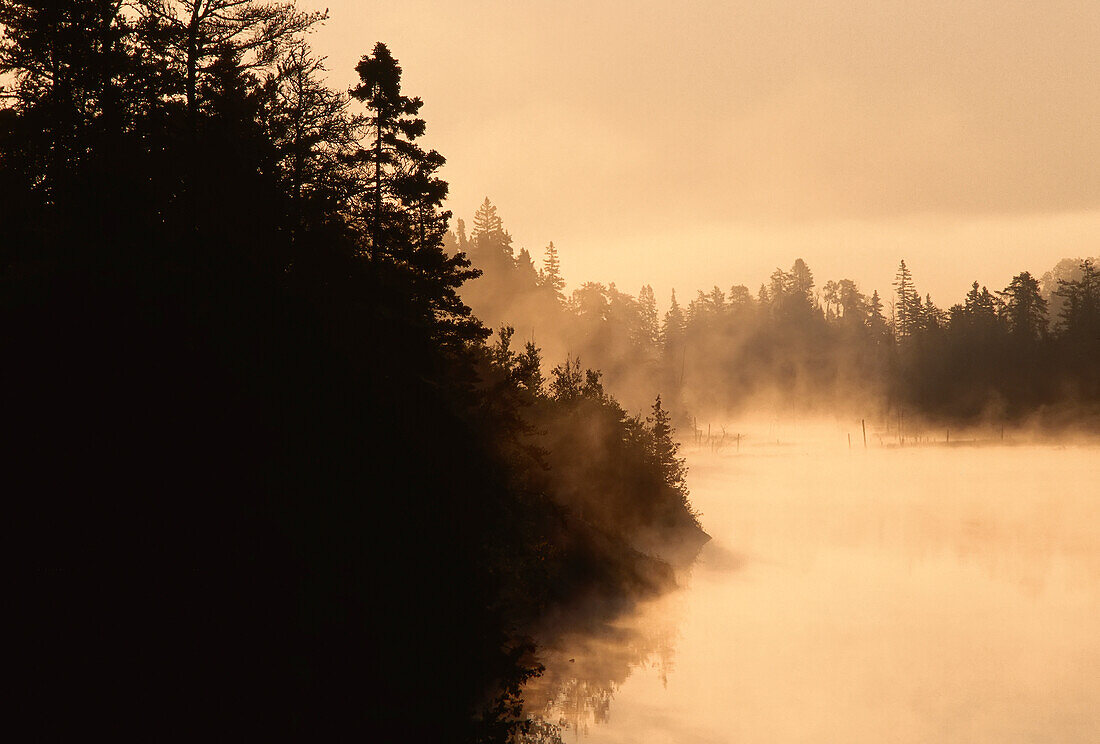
[[923, 594]]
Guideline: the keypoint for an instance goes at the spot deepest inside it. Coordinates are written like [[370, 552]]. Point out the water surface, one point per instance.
[[917, 594]]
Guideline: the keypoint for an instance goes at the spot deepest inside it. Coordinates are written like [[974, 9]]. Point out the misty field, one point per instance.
[[891, 594]]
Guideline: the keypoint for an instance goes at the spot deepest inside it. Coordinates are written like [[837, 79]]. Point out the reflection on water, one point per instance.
[[585, 666], [904, 595]]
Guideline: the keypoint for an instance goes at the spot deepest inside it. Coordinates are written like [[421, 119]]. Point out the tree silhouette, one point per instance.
[[907, 310], [1025, 308], [303, 453], [393, 125], [648, 331], [1080, 315], [551, 270], [199, 32], [666, 451], [312, 130]]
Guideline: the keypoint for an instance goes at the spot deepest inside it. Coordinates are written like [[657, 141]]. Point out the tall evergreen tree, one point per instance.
[[876, 320], [907, 317], [1025, 308], [1080, 315], [666, 450], [77, 88], [551, 270], [649, 330], [393, 125], [674, 327], [199, 32], [492, 245], [801, 279], [312, 131]]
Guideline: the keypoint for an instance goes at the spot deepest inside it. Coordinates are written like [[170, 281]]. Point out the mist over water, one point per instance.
[[349, 438], [903, 594]]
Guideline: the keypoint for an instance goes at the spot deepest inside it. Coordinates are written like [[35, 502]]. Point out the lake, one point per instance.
[[890, 594]]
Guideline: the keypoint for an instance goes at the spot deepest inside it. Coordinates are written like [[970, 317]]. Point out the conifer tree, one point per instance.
[[311, 129], [393, 125], [76, 88], [1080, 315], [567, 381], [199, 32], [907, 310], [491, 245], [674, 326], [666, 451], [830, 294], [528, 369], [460, 235], [1025, 308], [801, 279], [402, 200], [739, 296], [876, 320], [780, 285], [852, 302], [649, 331], [717, 300], [527, 277], [486, 221], [551, 270], [932, 317]]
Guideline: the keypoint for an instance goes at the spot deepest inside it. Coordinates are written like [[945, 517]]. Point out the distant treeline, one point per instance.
[[268, 474], [1029, 350]]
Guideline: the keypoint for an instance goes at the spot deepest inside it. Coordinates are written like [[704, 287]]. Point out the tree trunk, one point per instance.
[[376, 230]]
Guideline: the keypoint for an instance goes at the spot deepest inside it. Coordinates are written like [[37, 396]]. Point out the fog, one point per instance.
[[381, 458], [802, 343], [729, 133], [904, 594]]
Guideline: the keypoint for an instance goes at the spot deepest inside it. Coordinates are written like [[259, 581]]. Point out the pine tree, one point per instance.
[[491, 241], [876, 320], [666, 451], [932, 317], [463, 243], [567, 381], [393, 125], [674, 327], [780, 285], [77, 88], [403, 199], [1025, 308], [526, 275], [907, 311], [1080, 315], [551, 271], [739, 296], [830, 293], [717, 301], [649, 331], [311, 129], [801, 280], [528, 368], [486, 220], [198, 32]]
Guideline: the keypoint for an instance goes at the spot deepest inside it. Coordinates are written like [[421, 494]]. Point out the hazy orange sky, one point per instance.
[[688, 144]]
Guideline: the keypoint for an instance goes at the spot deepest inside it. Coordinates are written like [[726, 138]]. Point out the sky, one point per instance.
[[688, 144]]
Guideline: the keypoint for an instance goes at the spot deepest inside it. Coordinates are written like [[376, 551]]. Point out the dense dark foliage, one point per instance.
[[268, 474], [1031, 351]]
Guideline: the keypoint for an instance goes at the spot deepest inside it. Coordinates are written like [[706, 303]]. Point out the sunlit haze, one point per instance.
[[710, 142], [292, 452]]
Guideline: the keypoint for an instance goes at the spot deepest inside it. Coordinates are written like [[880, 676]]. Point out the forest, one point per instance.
[[291, 453], [271, 475], [1027, 354]]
